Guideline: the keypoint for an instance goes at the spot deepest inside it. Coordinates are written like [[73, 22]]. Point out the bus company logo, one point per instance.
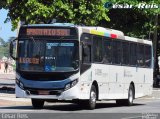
[[149, 116], [14, 116], [110, 5]]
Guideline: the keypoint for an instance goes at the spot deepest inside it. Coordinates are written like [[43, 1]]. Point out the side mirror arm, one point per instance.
[[11, 49]]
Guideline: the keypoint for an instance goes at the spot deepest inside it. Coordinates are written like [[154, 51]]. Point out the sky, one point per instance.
[[5, 28]]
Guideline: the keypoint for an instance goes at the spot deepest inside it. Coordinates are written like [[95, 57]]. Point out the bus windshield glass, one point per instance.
[[41, 55]]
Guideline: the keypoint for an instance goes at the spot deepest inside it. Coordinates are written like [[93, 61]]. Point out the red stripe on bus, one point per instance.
[[113, 36]]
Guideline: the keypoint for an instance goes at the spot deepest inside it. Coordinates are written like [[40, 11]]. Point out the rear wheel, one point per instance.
[[130, 99], [37, 103]]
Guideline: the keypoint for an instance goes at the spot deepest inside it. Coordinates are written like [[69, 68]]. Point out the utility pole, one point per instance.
[[155, 44]]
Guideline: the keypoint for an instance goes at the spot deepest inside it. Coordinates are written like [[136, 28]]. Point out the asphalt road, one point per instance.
[[140, 106], [13, 108], [142, 109]]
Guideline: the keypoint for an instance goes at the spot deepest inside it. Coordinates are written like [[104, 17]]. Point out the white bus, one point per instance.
[[80, 63]]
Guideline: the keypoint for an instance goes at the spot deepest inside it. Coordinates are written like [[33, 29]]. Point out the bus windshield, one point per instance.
[[41, 55]]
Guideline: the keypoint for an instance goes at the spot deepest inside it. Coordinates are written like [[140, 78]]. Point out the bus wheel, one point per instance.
[[37, 103], [93, 97], [130, 99]]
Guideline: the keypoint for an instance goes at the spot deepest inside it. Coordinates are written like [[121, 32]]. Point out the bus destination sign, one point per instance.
[[48, 32]]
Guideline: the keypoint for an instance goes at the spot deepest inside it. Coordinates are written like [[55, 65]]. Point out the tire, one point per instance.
[[93, 97], [37, 103], [129, 101]]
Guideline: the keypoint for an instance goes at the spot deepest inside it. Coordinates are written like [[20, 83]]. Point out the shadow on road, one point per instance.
[[68, 107], [111, 105], [76, 107], [17, 107]]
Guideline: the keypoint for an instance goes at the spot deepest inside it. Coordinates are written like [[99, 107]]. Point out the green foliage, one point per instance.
[[87, 12], [4, 47], [2, 42], [133, 22], [4, 50], [3, 4]]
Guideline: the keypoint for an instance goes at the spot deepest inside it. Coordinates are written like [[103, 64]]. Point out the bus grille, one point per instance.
[[48, 92]]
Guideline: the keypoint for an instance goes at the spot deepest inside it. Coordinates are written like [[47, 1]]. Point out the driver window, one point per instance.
[[86, 53], [86, 48]]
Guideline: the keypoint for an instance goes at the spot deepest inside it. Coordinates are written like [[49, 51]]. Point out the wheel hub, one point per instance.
[[130, 96], [93, 97]]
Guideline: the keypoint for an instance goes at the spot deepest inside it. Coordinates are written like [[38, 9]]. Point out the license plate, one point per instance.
[[43, 92]]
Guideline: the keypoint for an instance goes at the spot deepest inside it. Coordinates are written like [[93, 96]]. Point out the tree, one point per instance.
[[87, 12], [3, 4], [2, 42], [133, 22], [4, 48], [138, 23]]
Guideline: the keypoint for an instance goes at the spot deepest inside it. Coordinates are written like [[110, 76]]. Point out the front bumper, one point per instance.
[[70, 94]]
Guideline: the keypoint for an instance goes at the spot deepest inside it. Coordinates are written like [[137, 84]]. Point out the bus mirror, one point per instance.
[[12, 49]]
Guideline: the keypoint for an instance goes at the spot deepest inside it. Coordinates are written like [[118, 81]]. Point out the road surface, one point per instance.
[[109, 109], [13, 108]]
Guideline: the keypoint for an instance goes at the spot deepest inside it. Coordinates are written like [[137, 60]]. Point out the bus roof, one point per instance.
[[112, 33], [54, 24], [103, 32], [138, 40]]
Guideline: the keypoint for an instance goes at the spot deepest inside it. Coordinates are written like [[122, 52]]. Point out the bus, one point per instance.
[[83, 64]]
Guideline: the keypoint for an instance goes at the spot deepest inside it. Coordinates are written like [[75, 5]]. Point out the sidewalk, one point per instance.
[[156, 93], [7, 83], [7, 79], [10, 100], [7, 75]]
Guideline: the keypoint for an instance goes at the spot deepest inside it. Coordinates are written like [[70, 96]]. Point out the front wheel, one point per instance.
[[37, 103], [93, 97]]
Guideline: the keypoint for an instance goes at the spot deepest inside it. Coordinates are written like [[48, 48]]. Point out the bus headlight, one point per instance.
[[17, 81], [71, 84], [20, 84], [68, 86]]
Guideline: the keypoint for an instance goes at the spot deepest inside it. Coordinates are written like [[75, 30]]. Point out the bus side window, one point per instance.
[[140, 55], [86, 53], [107, 57], [133, 54], [117, 52], [147, 56], [126, 54], [97, 48]]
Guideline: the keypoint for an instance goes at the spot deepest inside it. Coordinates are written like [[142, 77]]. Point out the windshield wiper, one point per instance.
[[35, 43]]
